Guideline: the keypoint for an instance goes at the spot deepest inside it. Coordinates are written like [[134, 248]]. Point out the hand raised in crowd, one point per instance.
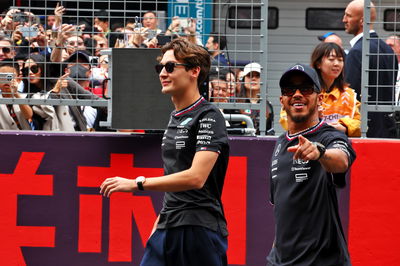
[[10, 91], [59, 10], [151, 43], [192, 27], [17, 34], [138, 36], [63, 33], [41, 38], [8, 19], [62, 82], [175, 25]]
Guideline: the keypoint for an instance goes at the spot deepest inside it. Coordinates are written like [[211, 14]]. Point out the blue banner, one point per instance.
[[201, 10]]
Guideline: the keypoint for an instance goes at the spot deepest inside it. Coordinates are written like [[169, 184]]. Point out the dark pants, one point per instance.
[[185, 246]]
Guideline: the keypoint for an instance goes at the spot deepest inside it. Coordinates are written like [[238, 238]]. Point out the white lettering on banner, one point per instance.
[[199, 16], [181, 10]]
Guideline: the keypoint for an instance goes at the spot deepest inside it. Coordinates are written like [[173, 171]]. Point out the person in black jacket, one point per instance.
[[381, 82]]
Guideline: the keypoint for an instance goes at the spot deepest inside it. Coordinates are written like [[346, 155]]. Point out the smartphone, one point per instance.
[[29, 32], [94, 60], [151, 34], [163, 39], [6, 78]]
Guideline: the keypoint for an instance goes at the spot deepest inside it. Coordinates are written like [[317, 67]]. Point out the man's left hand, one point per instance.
[[117, 184]]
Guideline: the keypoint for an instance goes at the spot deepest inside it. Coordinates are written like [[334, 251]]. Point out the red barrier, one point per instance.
[[374, 203]]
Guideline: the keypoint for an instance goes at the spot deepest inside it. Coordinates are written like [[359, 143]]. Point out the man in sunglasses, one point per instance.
[[6, 48], [308, 166], [191, 227]]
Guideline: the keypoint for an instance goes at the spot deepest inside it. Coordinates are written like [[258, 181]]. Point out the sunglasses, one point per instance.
[[34, 69], [169, 67], [5, 50], [304, 89]]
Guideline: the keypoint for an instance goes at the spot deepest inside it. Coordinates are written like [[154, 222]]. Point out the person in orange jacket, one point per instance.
[[340, 107]]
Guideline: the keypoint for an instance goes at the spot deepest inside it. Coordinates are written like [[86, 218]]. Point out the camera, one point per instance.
[[6, 78]]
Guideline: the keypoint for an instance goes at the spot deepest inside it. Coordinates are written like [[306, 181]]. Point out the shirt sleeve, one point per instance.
[[338, 140], [211, 133]]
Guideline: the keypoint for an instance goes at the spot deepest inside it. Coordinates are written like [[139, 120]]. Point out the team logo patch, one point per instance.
[[187, 120], [298, 67]]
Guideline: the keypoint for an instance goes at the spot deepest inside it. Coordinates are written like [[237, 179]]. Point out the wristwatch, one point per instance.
[[140, 180], [321, 148]]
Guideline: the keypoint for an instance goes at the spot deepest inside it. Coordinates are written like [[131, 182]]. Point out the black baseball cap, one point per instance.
[[78, 54], [308, 71]]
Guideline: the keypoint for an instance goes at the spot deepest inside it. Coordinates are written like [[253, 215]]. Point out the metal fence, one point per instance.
[[380, 92]]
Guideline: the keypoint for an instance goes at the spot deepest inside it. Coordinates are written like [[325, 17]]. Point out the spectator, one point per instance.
[[331, 37], [394, 42], [185, 28], [67, 43], [51, 19], [218, 86], [101, 22], [251, 85], [6, 48], [36, 75], [13, 116], [382, 68], [339, 106], [101, 44], [216, 43], [150, 21], [232, 83]]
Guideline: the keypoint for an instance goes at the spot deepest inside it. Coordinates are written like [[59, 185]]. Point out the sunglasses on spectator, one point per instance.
[[169, 67], [34, 69], [5, 50], [304, 89]]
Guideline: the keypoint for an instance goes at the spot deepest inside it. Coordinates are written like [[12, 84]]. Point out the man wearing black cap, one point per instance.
[[309, 164]]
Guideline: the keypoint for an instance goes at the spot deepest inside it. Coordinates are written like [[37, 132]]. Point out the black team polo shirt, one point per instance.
[[198, 127], [308, 228]]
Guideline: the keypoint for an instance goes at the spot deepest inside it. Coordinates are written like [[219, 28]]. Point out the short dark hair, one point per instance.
[[10, 63], [190, 54], [150, 11], [324, 49], [102, 15], [219, 38]]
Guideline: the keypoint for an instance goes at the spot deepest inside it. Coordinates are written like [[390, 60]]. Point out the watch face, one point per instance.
[[140, 179]]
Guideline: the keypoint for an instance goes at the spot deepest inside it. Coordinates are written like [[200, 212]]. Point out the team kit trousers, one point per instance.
[[185, 246]]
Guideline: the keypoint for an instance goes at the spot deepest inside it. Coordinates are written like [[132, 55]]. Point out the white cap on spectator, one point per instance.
[[256, 67]]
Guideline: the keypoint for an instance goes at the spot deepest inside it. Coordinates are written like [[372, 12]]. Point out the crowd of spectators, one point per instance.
[[59, 57]]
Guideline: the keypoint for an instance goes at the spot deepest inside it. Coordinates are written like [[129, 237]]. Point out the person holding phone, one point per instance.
[[13, 116]]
